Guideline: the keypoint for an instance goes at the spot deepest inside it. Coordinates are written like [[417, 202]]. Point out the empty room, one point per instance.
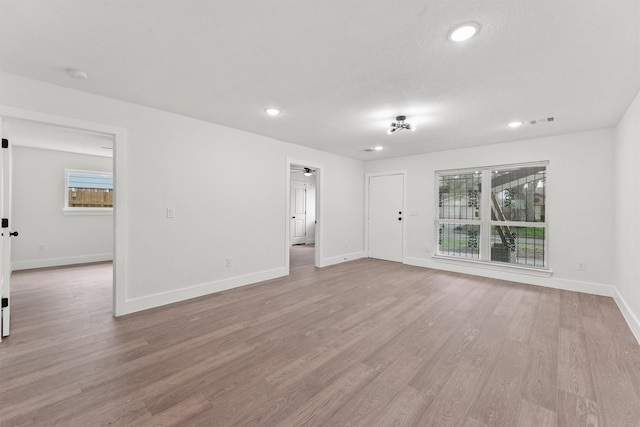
[[320, 213]]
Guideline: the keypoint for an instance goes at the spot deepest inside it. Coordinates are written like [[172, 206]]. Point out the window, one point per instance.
[[88, 190], [506, 224]]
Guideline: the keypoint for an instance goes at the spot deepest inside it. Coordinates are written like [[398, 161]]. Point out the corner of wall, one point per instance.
[[629, 316], [326, 262], [151, 301]]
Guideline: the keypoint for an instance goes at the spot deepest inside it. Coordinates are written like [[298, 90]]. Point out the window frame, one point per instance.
[[67, 210], [486, 223]]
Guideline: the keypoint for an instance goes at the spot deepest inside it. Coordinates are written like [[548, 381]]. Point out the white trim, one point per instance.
[[501, 166], [56, 262], [87, 211], [65, 205], [629, 316], [342, 258], [494, 265], [120, 187], [133, 305], [530, 279]]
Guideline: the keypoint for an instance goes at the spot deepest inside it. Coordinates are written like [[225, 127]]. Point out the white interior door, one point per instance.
[[386, 215], [5, 255], [298, 214]]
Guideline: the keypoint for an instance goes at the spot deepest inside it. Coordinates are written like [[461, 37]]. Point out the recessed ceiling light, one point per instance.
[[376, 148], [515, 124], [272, 111], [78, 74], [464, 32]]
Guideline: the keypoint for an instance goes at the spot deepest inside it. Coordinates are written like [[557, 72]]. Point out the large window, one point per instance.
[[506, 224], [88, 190]]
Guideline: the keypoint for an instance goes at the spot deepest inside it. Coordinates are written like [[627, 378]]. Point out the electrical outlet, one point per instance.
[[582, 265], [229, 262]]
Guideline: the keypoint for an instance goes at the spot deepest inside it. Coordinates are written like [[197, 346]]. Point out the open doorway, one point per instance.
[[62, 220], [303, 215], [62, 198]]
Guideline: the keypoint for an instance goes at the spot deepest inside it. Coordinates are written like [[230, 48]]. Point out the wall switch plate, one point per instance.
[[171, 213], [229, 262], [582, 265]]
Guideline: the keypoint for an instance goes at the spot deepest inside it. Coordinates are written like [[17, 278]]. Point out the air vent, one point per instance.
[[545, 120]]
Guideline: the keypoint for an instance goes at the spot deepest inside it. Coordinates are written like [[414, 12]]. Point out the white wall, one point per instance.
[[47, 237], [627, 214], [579, 205], [311, 210], [173, 161]]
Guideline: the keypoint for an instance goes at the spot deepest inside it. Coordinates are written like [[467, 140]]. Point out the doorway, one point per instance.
[[385, 228], [303, 211], [116, 136]]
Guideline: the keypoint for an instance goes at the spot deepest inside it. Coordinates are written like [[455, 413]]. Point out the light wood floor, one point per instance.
[[368, 343]]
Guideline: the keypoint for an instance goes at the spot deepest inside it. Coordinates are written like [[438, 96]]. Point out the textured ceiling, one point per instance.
[[341, 70]]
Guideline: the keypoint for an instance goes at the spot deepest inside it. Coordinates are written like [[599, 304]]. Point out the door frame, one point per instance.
[[5, 243], [319, 212], [119, 135], [367, 177]]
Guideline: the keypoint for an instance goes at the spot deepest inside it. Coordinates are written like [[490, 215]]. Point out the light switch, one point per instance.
[[171, 213]]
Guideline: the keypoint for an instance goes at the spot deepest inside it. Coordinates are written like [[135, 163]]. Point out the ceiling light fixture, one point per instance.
[[272, 111], [464, 32], [375, 148], [400, 124], [515, 124], [308, 172], [78, 74]]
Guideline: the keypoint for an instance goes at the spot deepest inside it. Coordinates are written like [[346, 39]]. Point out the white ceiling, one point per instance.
[[341, 70], [39, 135]]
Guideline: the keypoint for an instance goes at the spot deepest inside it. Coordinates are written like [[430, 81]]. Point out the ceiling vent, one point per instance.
[[545, 120]]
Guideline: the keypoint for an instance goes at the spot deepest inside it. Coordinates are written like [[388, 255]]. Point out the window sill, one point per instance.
[[495, 266], [87, 211]]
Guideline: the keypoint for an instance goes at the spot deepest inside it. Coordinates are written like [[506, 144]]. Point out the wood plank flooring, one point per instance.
[[365, 343]]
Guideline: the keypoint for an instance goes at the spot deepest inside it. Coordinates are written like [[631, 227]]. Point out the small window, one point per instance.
[[88, 190]]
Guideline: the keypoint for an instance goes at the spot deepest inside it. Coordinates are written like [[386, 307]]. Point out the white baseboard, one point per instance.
[[150, 301], [325, 262], [528, 278], [56, 262], [549, 282], [629, 315]]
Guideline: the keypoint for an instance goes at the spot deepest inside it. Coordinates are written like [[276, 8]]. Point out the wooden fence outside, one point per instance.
[[90, 198]]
